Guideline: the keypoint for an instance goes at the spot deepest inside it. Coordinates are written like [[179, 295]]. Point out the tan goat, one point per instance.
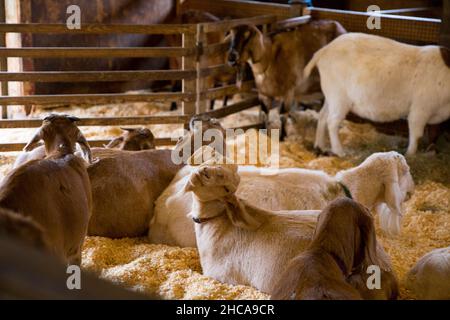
[[133, 139], [344, 246], [55, 191], [278, 59], [125, 186]]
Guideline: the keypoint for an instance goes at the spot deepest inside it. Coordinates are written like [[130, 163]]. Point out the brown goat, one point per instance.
[[198, 125], [133, 139], [125, 185], [344, 245], [278, 59], [23, 229], [55, 191], [197, 16]]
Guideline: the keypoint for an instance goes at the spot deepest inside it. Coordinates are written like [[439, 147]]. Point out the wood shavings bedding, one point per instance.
[[175, 273]]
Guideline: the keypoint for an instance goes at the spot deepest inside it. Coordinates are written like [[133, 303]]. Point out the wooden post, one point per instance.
[[189, 62], [445, 26], [202, 83], [3, 60]]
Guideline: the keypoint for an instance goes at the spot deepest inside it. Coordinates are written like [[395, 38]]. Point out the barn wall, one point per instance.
[[361, 5], [95, 11]]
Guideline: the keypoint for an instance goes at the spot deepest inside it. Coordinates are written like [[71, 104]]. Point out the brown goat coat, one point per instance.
[[344, 244], [125, 186], [22, 229], [278, 59], [56, 193]]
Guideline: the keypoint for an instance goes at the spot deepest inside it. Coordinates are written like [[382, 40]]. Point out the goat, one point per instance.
[[381, 183], [125, 186], [237, 242], [55, 191], [380, 87], [203, 130], [133, 139], [344, 244], [278, 59], [223, 77], [429, 279]]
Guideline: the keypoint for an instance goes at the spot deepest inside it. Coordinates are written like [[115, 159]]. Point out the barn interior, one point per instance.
[[126, 87]]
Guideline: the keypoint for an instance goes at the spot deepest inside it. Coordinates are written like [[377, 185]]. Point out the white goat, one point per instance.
[[237, 242], [430, 278], [382, 183], [381, 80]]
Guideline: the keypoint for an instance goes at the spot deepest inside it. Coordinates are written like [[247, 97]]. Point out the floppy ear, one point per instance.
[[393, 199], [240, 214], [34, 141], [84, 145], [114, 142], [372, 255]]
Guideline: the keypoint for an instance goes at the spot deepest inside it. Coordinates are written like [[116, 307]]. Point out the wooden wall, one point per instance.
[[95, 11]]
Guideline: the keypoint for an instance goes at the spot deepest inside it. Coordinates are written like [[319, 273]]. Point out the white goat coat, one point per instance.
[[254, 258], [430, 277], [381, 80], [381, 182], [260, 187]]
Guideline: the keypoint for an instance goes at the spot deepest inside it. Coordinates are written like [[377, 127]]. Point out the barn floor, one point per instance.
[[175, 273]]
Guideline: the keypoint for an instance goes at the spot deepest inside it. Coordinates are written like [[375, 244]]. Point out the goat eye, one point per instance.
[[226, 190]]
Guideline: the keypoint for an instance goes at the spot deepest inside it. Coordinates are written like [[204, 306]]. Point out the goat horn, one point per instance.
[[128, 129], [73, 118], [34, 141], [85, 147]]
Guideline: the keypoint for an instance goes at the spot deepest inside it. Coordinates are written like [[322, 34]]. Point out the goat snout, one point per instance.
[[233, 57]]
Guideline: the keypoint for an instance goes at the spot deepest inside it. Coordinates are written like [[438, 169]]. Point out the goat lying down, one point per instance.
[[410, 82], [133, 139], [55, 192], [125, 186], [239, 243], [344, 242], [381, 183]]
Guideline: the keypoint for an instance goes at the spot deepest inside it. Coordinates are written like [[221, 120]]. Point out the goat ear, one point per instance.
[[128, 129], [193, 180], [239, 214], [114, 142], [34, 141], [85, 147], [393, 198], [372, 254]]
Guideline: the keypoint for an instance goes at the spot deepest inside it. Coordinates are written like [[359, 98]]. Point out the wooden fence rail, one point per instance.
[[194, 93]]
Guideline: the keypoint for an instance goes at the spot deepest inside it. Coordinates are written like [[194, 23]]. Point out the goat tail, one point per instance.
[[312, 63]]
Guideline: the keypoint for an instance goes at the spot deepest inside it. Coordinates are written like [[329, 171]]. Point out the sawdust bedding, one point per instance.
[[175, 273]]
